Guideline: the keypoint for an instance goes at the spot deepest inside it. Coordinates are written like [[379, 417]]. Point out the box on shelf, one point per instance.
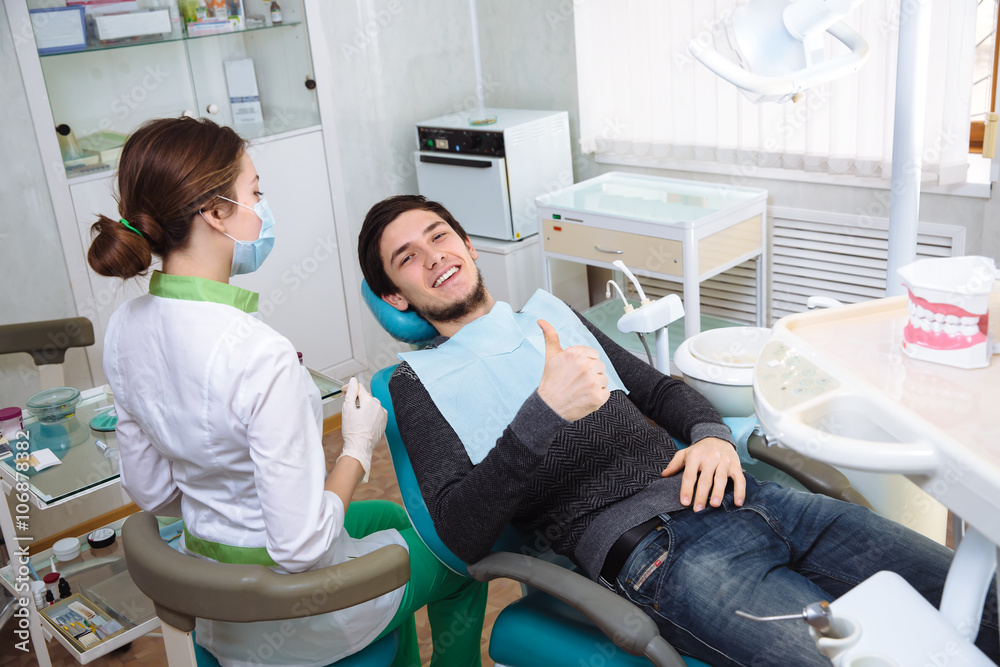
[[107, 145], [244, 98], [59, 29], [88, 158], [109, 27], [95, 7], [209, 27]]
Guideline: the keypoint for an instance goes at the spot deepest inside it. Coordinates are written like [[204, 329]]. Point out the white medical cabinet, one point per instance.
[[488, 174], [671, 229]]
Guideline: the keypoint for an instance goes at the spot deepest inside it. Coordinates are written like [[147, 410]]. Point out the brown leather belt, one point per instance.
[[623, 547]]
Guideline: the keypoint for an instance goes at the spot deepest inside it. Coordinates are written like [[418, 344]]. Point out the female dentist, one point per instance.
[[220, 424]]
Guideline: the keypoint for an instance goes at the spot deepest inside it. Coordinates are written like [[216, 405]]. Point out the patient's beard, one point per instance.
[[456, 311]]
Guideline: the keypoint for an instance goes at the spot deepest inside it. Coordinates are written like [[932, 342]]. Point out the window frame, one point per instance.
[[977, 128]]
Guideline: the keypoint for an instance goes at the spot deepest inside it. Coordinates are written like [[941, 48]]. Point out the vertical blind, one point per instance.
[[643, 96]]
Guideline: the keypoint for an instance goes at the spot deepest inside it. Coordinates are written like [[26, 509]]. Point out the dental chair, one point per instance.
[[184, 588], [565, 618]]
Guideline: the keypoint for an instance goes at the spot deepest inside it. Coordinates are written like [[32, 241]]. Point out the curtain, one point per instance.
[[642, 95]]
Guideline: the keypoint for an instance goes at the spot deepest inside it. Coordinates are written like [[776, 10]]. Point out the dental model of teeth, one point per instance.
[[949, 310]]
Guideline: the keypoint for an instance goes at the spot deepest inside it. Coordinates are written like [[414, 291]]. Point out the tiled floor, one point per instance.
[[148, 651]]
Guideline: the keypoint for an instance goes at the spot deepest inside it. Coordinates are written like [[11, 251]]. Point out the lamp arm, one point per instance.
[[796, 81]]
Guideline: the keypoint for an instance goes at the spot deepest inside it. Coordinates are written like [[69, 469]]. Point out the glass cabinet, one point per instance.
[[266, 76], [256, 77]]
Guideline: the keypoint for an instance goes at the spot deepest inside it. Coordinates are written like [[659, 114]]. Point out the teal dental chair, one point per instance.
[[565, 619]]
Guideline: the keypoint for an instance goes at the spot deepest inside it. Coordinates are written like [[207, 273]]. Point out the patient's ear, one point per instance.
[[396, 301]]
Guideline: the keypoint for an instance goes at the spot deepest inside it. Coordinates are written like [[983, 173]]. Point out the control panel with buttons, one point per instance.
[[448, 140]]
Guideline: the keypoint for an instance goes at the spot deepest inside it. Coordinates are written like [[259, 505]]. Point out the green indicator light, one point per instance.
[[556, 216], [430, 142]]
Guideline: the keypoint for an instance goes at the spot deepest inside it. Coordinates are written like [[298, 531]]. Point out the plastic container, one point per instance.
[[54, 406], [51, 581], [10, 422], [38, 593], [66, 549], [103, 542]]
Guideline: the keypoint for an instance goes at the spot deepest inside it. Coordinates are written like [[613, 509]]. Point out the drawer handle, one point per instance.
[[613, 252]]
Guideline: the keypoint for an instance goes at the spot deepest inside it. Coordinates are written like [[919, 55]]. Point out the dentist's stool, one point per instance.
[[184, 588]]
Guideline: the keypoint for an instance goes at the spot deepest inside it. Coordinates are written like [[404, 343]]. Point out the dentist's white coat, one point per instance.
[[220, 424]]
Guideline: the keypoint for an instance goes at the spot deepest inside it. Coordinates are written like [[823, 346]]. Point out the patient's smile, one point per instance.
[[445, 276]]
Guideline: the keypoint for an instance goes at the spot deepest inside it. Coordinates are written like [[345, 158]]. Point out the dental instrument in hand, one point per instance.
[[343, 390]]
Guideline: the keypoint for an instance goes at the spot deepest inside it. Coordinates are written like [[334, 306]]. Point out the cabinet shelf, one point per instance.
[[147, 41]]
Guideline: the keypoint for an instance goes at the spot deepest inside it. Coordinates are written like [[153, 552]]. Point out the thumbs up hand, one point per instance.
[[573, 383]]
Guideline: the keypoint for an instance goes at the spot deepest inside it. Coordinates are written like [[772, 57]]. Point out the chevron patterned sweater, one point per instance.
[[577, 486]]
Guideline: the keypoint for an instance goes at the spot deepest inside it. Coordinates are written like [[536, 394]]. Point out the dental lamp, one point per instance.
[[772, 51]]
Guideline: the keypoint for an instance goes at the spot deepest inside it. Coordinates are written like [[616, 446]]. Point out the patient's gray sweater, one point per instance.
[[577, 486]]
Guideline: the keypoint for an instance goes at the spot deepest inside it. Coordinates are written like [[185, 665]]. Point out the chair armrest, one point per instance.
[[816, 476], [184, 587], [624, 623], [47, 341]]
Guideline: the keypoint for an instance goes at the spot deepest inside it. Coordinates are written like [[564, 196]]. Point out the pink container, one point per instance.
[[10, 423]]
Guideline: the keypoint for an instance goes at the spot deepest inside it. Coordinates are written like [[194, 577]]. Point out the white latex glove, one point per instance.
[[363, 424]]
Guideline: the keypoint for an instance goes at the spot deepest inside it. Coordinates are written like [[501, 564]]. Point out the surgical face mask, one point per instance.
[[249, 255]]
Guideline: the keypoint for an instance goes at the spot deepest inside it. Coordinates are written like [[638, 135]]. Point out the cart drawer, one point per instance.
[[645, 253]]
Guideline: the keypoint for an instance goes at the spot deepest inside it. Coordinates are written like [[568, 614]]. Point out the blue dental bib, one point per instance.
[[480, 377]]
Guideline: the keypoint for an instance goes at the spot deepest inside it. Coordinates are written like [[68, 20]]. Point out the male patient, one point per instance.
[[537, 418]]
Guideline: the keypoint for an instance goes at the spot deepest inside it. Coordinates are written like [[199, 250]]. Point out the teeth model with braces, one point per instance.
[[949, 310]]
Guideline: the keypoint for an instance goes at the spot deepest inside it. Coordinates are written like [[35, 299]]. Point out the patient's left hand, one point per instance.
[[710, 462]]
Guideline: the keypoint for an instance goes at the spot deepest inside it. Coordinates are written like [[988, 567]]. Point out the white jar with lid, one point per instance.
[[66, 549]]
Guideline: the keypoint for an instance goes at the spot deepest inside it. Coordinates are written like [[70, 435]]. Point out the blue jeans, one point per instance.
[[780, 551]]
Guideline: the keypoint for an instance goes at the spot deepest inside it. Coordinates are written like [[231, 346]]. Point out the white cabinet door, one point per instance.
[[301, 287]]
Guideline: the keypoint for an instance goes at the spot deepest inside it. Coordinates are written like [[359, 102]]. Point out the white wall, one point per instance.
[[394, 63]]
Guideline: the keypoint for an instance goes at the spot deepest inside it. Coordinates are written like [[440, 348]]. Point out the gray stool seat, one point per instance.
[[184, 588]]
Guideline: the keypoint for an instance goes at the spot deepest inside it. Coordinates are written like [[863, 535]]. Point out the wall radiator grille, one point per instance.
[[813, 253]]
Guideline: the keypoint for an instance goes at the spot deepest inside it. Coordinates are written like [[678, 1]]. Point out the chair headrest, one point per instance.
[[404, 326]]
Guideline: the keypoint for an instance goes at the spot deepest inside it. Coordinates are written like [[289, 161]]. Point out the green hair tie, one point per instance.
[[130, 227]]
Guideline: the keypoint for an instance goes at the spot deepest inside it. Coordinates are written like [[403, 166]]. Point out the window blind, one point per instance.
[[643, 96]]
